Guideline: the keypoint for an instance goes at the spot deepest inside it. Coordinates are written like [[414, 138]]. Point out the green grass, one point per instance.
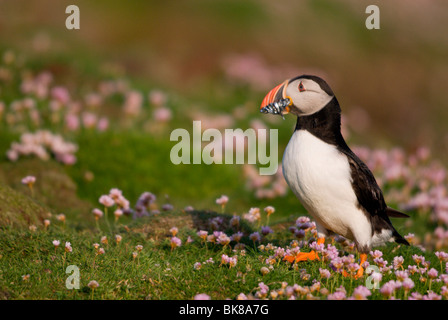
[[158, 272]]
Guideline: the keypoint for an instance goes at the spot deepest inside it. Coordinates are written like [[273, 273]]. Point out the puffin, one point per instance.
[[336, 188]]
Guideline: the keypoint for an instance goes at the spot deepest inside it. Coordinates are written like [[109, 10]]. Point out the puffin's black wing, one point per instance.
[[370, 197], [369, 194]]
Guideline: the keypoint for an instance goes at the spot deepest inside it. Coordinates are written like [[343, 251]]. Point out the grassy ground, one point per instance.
[[158, 271]]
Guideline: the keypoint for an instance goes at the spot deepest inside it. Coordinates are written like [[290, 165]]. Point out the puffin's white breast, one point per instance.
[[320, 177]]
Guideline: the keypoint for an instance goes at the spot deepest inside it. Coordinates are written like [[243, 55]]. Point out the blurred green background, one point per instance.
[[391, 83]]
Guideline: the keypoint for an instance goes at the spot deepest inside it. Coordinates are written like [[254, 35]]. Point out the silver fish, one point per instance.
[[276, 107]]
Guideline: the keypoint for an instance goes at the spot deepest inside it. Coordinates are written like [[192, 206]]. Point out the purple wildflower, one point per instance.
[[237, 236], [265, 230], [255, 236]]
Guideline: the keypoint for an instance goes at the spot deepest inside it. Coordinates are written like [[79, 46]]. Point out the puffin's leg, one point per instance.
[[303, 256], [360, 272], [362, 234], [361, 269]]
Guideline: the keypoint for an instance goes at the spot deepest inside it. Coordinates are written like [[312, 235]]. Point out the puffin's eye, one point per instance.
[[301, 87]]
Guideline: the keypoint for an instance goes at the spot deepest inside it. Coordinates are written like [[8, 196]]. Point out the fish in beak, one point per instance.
[[276, 101]]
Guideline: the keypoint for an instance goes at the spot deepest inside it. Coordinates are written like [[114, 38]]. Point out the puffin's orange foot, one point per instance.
[[302, 256], [357, 275], [360, 271]]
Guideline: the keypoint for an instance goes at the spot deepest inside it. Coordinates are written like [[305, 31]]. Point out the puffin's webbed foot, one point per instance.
[[304, 256], [360, 271]]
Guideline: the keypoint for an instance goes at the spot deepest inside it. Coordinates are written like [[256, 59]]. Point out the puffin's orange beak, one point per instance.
[[276, 94]]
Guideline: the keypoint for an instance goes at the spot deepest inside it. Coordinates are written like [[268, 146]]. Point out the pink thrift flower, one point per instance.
[[432, 273], [115, 193], [376, 254], [418, 259], [410, 237], [133, 103], [361, 293], [253, 215], [432, 296], [407, 284], [103, 124], [377, 277], [68, 247], [93, 284], [225, 259], [89, 119], [29, 180], [442, 256], [269, 210], [398, 262], [401, 275], [416, 296], [97, 213], [167, 207], [202, 234], [202, 296], [175, 242], [223, 239], [60, 94], [324, 273], [388, 289], [122, 202], [317, 247], [72, 122], [157, 97], [162, 114], [222, 200], [174, 231], [197, 266], [106, 201], [338, 295]]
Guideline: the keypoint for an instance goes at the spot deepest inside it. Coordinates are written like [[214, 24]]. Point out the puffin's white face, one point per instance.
[[307, 95]]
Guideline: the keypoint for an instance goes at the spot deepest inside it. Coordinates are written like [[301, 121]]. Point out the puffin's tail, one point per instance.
[[395, 235], [395, 214], [398, 238]]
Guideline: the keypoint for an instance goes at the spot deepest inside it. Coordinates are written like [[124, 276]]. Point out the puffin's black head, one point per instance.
[[302, 96]]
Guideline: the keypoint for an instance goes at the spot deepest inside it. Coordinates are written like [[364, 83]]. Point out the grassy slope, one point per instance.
[[158, 272], [19, 210]]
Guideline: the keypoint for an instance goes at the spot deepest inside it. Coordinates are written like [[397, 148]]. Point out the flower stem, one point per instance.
[[106, 218]]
